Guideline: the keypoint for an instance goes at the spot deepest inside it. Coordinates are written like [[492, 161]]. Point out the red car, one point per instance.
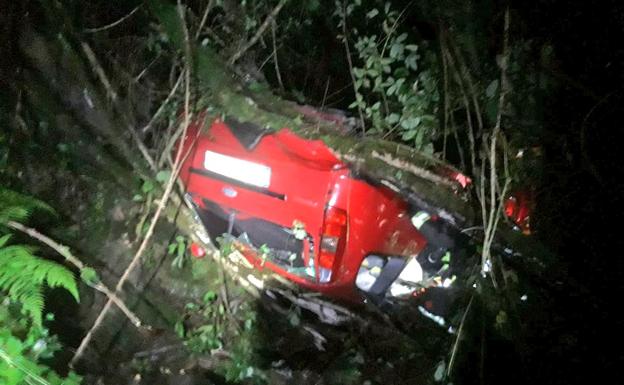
[[305, 214]]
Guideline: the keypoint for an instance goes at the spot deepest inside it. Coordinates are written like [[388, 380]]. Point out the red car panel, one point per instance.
[[306, 181]]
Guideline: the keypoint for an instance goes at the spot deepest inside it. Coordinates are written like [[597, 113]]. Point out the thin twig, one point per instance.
[[160, 109], [494, 204], [275, 62], [99, 70], [395, 25], [458, 80], [113, 24], [16, 364], [69, 257], [345, 40], [460, 148], [458, 339], [465, 73], [446, 101], [161, 205], [259, 32], [204, 18]]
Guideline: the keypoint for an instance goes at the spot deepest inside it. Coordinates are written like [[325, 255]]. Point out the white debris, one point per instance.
[[255, 281]]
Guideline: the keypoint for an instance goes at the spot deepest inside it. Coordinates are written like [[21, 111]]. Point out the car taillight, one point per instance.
[[332, 240]]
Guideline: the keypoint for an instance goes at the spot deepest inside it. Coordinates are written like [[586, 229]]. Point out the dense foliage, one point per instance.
[[518, 96], [25, 342]]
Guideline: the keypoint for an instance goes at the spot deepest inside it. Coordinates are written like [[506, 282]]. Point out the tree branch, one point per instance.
[[259, 32], [161, 205], [113, 24], [69, 257]]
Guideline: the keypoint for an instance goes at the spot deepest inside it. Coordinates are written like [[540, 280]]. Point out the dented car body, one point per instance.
[[294, 207]]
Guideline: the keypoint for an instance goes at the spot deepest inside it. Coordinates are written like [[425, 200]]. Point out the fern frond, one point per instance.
[[22, 276], [32, 304], [59, 276], [18, 207]]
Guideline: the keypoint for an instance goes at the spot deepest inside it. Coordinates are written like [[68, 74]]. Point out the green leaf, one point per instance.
[[178, 328], [491, 89], [148, 186], [408, 135], [163, 176], [440, 371], [392, 118], [410, 123], [372, 13], [411, 63], [396, 50], [209, 296], [4, 239], [89, 276]]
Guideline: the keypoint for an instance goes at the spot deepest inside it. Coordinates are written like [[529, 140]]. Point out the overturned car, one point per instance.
[[326, 220]]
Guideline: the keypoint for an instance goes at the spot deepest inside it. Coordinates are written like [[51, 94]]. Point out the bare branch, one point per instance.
[[99, 70], [160, 109], [495, 205], [161, 205], [259, 32], [113, 24], [69, 257], [458, 338], [345, 41], [275, 62], [204, 18]]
